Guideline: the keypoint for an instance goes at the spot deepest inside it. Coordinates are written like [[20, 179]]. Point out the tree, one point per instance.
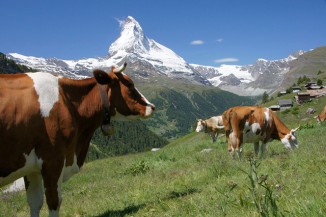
[[289, 90], [265, 97], [319, 82]]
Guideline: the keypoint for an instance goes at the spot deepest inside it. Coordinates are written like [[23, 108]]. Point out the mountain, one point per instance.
[[146, 57], [254, 79], [151, 61]]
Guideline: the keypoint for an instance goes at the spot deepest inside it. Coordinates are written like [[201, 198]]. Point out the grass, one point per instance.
[[180, 180]]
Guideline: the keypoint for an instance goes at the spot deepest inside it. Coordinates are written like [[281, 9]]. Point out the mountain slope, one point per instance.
[[311, 64], [9, 66], [179, 105]]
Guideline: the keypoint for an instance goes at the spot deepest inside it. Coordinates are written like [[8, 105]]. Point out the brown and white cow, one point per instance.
[[213, 126], [47, 122], [322, 116], [252, 124]]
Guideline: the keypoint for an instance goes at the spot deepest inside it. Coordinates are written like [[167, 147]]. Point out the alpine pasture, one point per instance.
[[191, 176]]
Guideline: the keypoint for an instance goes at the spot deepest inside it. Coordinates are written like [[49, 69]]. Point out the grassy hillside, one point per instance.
[[178, 105], [183, 180]]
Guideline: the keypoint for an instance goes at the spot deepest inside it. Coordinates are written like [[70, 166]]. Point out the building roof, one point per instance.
[[303, 94], [284, 102]]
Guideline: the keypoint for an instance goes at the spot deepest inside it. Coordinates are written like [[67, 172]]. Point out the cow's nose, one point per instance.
[[152, 106]]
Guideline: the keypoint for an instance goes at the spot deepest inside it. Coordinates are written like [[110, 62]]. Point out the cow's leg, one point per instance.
[[256, 148], [239, 152], [238, 145], [34, 190], [262, 150], [52, 177], [214, 137], [230, 146]]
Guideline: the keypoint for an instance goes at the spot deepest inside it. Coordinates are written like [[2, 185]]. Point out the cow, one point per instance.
[[252, 124], [322, 116], [213, 126], [47, 122]]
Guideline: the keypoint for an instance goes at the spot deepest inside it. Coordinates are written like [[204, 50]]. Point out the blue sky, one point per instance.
[[206, 32]]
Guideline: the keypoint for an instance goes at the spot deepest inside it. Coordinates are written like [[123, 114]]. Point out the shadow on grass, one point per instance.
[[135, 208], [120, 213], [177, 194]]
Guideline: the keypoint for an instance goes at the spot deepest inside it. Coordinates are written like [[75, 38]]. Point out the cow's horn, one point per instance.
[[220, 127], [297, 128], [119, 70]]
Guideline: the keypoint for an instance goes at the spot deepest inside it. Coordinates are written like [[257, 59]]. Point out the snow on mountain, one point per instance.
[[263, 75], [133, 44], [218, 75]]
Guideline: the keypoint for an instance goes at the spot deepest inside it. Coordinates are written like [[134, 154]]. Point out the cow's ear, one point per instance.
[[101, 76]]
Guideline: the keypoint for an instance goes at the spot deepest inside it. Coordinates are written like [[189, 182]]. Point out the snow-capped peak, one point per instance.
[[131, 40], [133, 45]]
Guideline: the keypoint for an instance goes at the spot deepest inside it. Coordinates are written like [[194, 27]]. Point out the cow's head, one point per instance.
[[290, 140], [123, 96], [320, 119], [201, 125]]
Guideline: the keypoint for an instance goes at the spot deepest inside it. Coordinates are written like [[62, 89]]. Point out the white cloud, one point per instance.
[[219, 40], [197, 42], [226, 60]]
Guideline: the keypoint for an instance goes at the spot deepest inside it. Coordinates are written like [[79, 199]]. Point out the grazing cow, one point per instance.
[[47, 122], [252, 124], [212, 126], [322, 116]]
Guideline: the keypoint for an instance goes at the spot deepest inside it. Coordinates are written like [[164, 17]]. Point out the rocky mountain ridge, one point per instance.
[[149, 60]]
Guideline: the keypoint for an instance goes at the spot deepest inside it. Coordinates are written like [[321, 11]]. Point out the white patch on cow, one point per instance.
[[149, 109], [286, 142], [70, 170], [290, 143], [200, 127], [47, 89], [32, 164], [143, 97], [250, 133], [247, 124], [267, 118], [255, 127], [233, 139]]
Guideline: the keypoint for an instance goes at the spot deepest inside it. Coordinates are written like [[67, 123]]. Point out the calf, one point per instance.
[[252, 124], [47, 122], [213, 126]]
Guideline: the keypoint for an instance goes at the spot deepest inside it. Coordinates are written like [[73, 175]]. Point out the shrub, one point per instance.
[[139, 168]]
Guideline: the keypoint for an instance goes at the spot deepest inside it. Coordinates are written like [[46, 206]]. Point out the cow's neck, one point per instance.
[[84, 97], [280, 128], [86, 111]]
